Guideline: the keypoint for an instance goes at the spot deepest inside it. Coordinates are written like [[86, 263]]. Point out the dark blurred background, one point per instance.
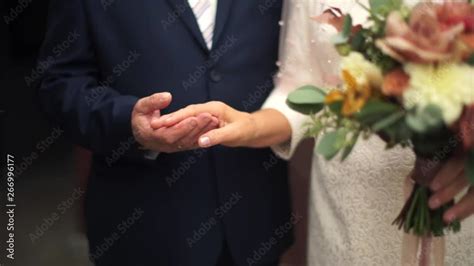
[[50, 170], [47, 221]]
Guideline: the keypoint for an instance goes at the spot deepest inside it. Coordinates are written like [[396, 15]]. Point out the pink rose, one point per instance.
[[424, 39]]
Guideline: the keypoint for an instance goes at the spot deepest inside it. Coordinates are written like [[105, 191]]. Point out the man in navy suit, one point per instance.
[[152, 198]]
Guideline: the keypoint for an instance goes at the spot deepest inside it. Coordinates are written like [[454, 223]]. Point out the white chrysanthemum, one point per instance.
[[448, 86], [363, 70]]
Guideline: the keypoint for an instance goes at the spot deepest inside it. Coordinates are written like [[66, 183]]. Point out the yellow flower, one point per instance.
[[448, 86], [360, 77], [357, 95], [364, 72], [334, 96], [353, 98]]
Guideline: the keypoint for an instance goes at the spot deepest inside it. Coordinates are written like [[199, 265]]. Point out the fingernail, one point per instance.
[[450, 217], [434, 203], [165, 97], [204, 141]]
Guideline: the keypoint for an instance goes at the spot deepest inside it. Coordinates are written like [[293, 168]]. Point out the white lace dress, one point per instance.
[[353, 204]]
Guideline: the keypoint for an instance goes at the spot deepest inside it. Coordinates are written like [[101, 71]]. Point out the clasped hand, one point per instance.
[[200, 125]]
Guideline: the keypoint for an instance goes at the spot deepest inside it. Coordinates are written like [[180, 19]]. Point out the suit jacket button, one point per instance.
[[215, 76]]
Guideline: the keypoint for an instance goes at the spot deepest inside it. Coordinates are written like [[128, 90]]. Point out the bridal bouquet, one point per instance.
[[407, 76]]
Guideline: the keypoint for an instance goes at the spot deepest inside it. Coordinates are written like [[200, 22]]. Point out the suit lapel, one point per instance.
[[223, 11], [185, 13]]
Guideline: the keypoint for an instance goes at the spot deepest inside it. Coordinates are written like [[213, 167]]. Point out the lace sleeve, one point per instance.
[[306, 57]]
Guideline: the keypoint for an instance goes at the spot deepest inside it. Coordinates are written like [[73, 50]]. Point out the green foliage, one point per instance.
[[426, 119], [336, 107], [307, 99], [374, 111], [347, 26], [417, 218], [397, 133], [364, 40], [384, 7], [331, 143], [343, 37], [350, 145], [388, 121]]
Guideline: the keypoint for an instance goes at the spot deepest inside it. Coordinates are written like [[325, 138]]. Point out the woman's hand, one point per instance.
[[236, 128], [449, 182]]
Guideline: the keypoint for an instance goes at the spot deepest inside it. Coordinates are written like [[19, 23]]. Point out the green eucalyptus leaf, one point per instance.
[[388, 121], [307, 109], [347, 26], [331, 143], [307, 95], [350, 146], [433, 116], [416, 124], [307, 100], [398, 133], [374, 111], [470, 167], [426, 119]]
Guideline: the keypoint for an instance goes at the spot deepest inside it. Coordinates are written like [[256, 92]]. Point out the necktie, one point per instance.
[[203, 13]]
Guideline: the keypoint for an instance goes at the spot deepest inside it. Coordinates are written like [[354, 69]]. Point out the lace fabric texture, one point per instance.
[[352, 204]]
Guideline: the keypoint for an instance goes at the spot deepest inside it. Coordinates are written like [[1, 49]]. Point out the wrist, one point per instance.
[[252, 133]]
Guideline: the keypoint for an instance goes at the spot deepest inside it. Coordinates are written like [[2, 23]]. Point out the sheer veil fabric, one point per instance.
[[352, 204]]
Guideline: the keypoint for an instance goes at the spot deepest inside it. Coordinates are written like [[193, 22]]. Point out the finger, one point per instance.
[[154, 102], [463, 209], [170, 135], [174, 118], [156, 114], [190, 139], [216, 109], [213, 124], [448, 193], [224, 135], [448, 173], [195, 143]]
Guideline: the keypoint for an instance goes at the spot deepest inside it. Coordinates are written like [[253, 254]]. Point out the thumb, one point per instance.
[[154, 102], [226, 135]]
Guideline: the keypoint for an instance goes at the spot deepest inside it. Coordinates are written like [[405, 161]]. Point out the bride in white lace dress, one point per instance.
[[352, 204]]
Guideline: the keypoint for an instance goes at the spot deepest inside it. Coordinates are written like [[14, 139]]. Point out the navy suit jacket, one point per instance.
[[98, 59]]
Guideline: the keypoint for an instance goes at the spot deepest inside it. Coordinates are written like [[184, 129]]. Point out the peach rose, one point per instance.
[[424, 39], [395, 82]]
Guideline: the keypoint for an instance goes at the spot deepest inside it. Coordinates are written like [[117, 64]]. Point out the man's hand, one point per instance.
[[181, 136], [450, 181]]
